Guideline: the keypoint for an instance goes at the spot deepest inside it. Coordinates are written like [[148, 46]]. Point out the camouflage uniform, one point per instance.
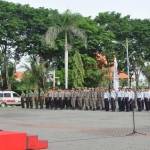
[[23, 99], [36, 99], [93, 96], [30, 99], [27, 99], [42, 98], [73, 99], [80, 99], [86, 99], [99, 100]]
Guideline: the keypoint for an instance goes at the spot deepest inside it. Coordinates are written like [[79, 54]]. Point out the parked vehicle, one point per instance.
[[9, 98]]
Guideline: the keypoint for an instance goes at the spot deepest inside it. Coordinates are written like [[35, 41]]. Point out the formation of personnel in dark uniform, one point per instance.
[[127, 99], [87, 99]]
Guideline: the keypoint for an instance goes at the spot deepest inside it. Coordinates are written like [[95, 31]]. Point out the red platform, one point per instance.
[[12, 140], [21, 141], [33, 143]]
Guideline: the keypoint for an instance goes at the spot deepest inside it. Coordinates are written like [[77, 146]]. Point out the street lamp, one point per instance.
[[126, 45], [1, 80], [128, 71], [128, 63]]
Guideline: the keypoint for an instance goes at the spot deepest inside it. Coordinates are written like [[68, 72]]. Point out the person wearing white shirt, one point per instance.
[[123, 100], [106, 99], [139, 99], [142, 96], [146, 99], [126, 98], [131, 99], [113, 100], [119, 98]]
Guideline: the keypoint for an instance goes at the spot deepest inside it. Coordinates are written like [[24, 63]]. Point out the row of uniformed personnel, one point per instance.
[[126, 99], [80, 99], [31, 99], [69, 99], [87, 99]]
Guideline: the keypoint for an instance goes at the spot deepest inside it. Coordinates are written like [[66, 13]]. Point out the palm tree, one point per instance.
[[69, 28], [37, 73]]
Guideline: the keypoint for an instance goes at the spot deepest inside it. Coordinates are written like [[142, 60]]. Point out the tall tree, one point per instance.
[[146, 72], [138, 33], [92, 77], [78, 72], [68, 27], [38, 72]]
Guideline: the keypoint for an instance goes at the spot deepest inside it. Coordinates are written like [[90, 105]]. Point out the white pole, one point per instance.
[[1, 77], [54, 77], [66, 62], [128, 63], [115, 76]]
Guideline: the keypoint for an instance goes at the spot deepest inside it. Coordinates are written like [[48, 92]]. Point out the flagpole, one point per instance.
[[128, 62], [115, 75]]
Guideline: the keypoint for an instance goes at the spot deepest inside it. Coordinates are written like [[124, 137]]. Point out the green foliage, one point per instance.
[[60, 73], [36, 74], [23, 29], [27, 83], [77, 70], [92, 73], [146, 72]]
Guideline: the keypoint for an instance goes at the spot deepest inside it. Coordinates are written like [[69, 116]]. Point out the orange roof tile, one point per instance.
[[19, 75], [123, 75]]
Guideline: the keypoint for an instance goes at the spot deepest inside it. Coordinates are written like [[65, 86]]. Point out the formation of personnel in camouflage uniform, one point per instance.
[[33, 99], [87, 99], [82, 99]]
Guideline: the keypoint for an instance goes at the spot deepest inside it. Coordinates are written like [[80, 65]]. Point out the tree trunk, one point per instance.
[[137, 79], [5, 71], [130, 80], [66, 62]]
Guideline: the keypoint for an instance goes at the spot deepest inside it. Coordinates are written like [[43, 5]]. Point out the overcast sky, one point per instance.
[[134, 8]]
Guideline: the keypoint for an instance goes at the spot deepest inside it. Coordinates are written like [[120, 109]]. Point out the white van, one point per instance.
[[9, 98]]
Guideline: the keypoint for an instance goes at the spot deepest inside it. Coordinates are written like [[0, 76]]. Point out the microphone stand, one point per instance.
[[134, 131]]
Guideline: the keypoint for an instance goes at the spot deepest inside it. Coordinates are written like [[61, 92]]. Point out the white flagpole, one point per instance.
[[115, 76]]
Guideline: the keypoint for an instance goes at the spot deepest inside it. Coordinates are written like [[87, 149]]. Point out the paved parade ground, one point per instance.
[[80, 130]]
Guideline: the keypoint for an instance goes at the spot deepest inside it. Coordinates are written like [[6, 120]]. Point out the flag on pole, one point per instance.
[[115, 76]]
